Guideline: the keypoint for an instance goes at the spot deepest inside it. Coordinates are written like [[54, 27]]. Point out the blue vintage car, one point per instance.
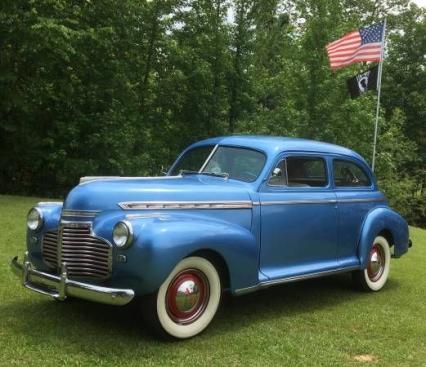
[[237, 213]]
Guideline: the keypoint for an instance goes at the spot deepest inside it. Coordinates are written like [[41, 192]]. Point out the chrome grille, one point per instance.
[[84, 254], [49, 248]]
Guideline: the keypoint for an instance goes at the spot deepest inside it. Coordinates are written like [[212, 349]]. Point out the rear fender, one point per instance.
[[378, 220]]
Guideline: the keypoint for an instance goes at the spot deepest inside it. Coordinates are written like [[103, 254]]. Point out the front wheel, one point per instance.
[[375, 275], [186, 302]]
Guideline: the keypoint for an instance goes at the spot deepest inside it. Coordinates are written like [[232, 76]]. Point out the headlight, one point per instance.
[[34, 219], [123, 234]]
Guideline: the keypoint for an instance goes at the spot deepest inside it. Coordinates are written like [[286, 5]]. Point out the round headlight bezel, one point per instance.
[[35, 223], [124, 239]]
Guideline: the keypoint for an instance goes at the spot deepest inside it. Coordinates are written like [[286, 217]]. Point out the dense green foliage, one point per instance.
[[120, 87], [321, 322]]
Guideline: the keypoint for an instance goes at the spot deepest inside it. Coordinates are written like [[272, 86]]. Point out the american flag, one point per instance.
[[361, 45]]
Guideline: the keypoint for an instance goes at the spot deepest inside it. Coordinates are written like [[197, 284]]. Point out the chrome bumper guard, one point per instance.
[[59, 286]]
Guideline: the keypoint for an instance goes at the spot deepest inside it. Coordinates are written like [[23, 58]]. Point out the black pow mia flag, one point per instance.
[[363, 82]]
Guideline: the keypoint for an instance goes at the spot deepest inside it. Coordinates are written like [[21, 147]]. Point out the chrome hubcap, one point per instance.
[[187, 296], [376, 264]]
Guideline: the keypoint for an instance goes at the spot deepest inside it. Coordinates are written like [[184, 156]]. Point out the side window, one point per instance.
[[349, 174], [300, 172], [306, 172]]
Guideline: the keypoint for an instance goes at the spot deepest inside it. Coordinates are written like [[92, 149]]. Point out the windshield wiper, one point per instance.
[[189, 172]]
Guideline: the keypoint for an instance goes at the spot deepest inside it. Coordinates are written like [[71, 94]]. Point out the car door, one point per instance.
[[298, 218], [356, 196]]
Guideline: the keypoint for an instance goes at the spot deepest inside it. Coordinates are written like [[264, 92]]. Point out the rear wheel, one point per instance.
[[186, 302], [375, 275]]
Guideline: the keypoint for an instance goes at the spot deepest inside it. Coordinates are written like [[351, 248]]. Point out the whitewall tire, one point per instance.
[[187, 301], [375, 275]]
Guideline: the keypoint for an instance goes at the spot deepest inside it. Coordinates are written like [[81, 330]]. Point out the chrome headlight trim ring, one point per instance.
[[39, 219], [128, 234]]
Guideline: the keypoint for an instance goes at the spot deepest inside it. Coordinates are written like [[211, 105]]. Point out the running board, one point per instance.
[[270, 283]]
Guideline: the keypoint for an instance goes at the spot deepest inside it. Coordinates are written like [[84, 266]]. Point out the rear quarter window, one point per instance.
[[349, 174]]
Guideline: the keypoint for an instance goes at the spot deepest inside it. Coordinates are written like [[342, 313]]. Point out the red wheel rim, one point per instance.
[[376, 263], [187, 296]]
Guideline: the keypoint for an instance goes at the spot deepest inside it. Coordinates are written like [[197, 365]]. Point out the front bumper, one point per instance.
[[59, 286]]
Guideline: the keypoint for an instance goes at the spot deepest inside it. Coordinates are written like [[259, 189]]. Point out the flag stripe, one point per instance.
[[351, 40], [345, 37], [341, 65], [347, 62], [356, 46], [348, 49], [345, 55], [351, 44], [360, 58], [369, 52]]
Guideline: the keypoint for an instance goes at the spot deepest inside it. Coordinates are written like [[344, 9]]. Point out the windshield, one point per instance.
[[238, 163]]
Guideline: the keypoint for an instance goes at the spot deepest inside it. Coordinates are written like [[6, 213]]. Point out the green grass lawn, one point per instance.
[[318, 322]]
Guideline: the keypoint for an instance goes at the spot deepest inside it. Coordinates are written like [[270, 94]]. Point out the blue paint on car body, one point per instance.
[[263, 233]]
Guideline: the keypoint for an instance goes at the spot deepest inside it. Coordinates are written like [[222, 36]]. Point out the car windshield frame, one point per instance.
[[205, 164]]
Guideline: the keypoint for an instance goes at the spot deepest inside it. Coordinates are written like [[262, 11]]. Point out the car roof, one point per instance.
[[276, 144]]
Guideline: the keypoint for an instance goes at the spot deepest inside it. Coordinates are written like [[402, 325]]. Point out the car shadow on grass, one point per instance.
[[293, 299], [43, 320]]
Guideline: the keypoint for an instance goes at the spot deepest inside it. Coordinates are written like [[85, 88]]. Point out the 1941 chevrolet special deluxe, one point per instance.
[[235, 213]]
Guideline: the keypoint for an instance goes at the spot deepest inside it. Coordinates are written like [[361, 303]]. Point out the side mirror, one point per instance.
[[277, 172]]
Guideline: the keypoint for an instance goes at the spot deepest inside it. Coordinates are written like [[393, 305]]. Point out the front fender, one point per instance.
[[161, 242], [376, 221]]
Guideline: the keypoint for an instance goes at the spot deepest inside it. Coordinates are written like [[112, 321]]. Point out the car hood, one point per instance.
[[107, 193]]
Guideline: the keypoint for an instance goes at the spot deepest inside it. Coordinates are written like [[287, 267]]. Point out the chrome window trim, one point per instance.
[[269, 283], [215, 148], [140, 205], [355, 163], [208, 158], [313, 155], [286, 175]]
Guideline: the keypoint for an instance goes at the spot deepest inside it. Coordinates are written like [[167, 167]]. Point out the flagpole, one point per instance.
[[379, 87]]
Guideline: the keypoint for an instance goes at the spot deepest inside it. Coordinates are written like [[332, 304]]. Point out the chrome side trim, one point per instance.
[[296, 278], [59, 287], [147, 215], [80, 213], [295, 202], [329, 201], [87, 179], [139, 205], [366, 200], [45, 203]]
